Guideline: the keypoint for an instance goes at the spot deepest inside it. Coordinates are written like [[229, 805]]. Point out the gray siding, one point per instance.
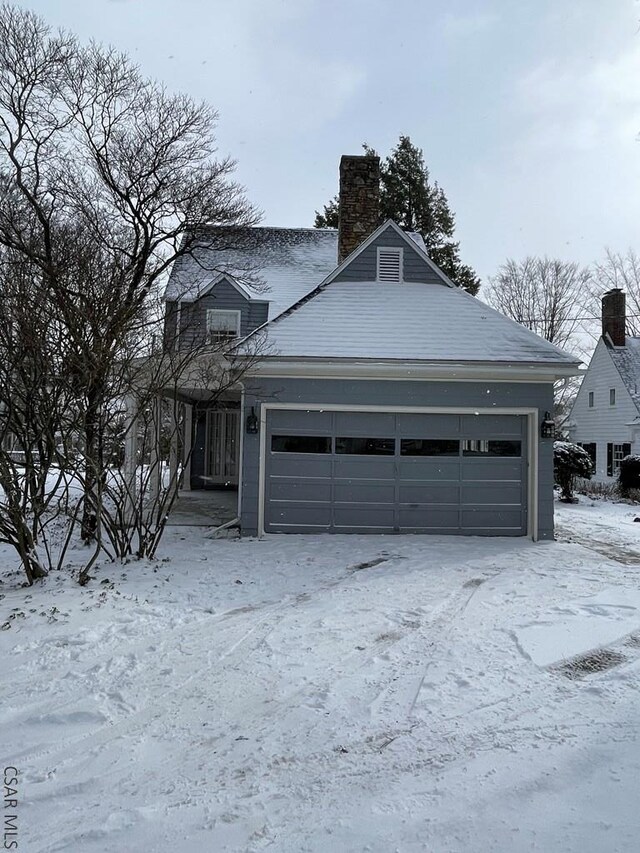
[[193, 315], [390, 393], [364, 267]]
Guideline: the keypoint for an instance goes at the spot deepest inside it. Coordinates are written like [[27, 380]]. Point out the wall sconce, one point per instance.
[[547, 427], [253, 424]]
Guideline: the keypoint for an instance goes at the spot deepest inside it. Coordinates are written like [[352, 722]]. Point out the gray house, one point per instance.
[[386, 398]]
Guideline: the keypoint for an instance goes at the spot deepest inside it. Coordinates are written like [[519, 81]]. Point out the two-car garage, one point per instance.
[[395, 471]]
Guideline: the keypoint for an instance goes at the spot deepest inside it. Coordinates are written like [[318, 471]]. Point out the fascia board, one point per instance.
[[445, 371]]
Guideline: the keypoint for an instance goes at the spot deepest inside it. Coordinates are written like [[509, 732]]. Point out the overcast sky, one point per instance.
[[528, 111]]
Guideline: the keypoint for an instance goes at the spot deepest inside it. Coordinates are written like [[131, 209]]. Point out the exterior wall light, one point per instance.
[[547, 427], [253, 424]]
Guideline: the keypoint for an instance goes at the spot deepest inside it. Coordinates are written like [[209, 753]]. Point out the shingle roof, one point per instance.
[[627, 362], [286, 264], [408, 321]]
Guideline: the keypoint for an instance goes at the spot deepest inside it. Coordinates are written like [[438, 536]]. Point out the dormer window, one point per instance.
[[389, 264], [222, 325]]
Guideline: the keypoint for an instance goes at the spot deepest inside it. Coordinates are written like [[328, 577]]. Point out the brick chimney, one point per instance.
[[614, 316], [359, 202]]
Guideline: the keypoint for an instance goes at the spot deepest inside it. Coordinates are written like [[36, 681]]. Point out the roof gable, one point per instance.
[[627, 362], [361, 265], [238, 286]]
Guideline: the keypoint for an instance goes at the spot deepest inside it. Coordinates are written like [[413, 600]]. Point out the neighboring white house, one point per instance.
[[605, 418]]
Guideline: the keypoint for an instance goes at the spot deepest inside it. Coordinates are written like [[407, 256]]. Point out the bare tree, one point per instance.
[[548, 296], [105, 181], [617, 270], [543, 294]]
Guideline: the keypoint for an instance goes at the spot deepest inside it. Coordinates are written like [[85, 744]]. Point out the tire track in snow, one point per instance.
[[148, 712]]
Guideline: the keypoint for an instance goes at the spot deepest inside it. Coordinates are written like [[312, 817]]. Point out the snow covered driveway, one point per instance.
[[350, 693]]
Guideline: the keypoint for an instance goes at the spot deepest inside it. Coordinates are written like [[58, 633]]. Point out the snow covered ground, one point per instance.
[[338, 693]]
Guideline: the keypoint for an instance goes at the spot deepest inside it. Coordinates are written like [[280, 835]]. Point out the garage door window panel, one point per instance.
[[301, 444], [489, 447], [429, 447], [357, 446]]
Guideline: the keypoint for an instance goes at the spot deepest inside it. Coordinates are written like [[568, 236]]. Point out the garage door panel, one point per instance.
[[365, 468], [371, 492], [369, 516], [490, 470], [429, 492], [492, 493], [428, 426], [492, 426], [430, 518], [301, 465], [430, 468], [365, 424], [289, 489], [285, 513], [492, 517], [299, 420]]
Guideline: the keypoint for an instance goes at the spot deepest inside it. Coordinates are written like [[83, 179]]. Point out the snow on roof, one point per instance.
[[627, 362], [284, 266], [382, 320]]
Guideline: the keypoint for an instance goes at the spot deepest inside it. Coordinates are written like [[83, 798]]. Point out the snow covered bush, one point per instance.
[[629, 474], [570, 461]]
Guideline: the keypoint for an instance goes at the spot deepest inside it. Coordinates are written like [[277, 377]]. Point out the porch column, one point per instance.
[[130, 462], [155, 460], [187, 446], [174, 443]]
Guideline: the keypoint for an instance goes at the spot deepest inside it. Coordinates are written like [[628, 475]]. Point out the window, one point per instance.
[[612, 396], [482, 447], [591, 399], [429, 447], [366, 446], [301, 444], [222, 325], [591, 449], [389, 264], [615, 455]]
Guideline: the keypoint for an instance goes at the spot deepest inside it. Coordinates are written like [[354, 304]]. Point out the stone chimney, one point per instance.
[[359, 202], [614, 316]]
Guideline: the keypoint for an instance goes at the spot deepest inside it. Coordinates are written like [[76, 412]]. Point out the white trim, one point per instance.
[[530, 413], [224, 276], [243, 420], [390, 250], [270, 367], [238, 315], [264, 407], [532, 474]]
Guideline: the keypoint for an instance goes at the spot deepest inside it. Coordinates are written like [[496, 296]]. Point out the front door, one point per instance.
[[223, 442]]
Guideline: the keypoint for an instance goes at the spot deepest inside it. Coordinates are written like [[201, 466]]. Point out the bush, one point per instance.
[[570, 462], [629, 475]]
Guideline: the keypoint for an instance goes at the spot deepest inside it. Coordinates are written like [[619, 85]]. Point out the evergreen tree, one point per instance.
[[409, 198]]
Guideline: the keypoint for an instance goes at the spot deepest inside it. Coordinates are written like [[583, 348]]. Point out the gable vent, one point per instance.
[[389, 264]]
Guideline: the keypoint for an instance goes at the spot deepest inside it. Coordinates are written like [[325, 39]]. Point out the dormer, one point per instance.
[[219, 311]]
